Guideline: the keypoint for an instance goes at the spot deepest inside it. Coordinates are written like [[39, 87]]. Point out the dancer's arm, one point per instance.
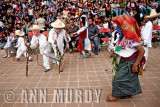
[[139, 58]]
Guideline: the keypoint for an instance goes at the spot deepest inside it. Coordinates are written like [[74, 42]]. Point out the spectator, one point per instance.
[[17, 20], [59, 16], [43, 3], [50, 18], [69, 16], [65, 12], [94, 10], [108, 7], [93, 34], [86, 10], [142, 6], [154, 4], [41, 22], [89, 4], [102, 9], [2, 39], [10, 38], [97, 20], [115, 8], [131, 5], [122, 4], [73, 29], [30, 11], [136, 15]]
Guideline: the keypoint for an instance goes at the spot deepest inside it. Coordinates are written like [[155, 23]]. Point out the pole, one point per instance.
[[27, 64]]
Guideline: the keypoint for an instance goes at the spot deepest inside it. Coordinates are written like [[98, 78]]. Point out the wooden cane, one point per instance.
[[27, 64]]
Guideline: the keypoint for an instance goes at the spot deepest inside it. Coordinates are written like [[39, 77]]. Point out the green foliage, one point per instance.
[[58, 53], [115, 66]]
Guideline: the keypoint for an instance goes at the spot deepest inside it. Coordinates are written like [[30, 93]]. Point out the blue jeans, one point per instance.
[[117, 12], [1, 46], [11, 48], [143, 11], [95, 41]]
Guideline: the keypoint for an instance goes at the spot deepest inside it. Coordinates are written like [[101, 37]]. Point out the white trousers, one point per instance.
[[19, 53], [47, 56], [146, 55]]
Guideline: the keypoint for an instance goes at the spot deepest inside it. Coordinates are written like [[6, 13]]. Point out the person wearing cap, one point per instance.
[[21, 45], [40, 40], [57, 36], [147, 32]]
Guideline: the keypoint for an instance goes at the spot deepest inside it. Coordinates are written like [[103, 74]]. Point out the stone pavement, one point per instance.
[[78, 74]]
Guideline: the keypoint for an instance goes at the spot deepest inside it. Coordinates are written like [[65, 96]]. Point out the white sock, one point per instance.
[[89, 51], [83, 53]]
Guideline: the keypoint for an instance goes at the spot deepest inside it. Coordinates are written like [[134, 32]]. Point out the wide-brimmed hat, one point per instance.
[[153, 14], [19, 33], [35, 27], [58, 24]]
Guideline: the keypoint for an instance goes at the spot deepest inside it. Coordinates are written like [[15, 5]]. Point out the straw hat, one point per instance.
[[84, 1], [58, 24], [153, 14], [35, 27], [19, 33]]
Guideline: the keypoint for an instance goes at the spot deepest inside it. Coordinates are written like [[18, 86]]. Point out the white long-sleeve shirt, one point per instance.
[[59, 38], [21, 44], [43, 43], [147, 33]]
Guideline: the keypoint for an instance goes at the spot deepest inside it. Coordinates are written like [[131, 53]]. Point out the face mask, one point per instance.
[[36, 33], [57, 30]]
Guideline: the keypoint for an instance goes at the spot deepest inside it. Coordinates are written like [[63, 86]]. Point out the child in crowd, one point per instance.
[[10, 38]]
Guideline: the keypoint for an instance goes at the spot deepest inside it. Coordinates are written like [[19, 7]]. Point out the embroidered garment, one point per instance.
[[127, 47], [129, 26]]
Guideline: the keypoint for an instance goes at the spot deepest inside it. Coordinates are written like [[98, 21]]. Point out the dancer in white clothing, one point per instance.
[[21, 45], [56, 38], [40, 40], [147, 32]]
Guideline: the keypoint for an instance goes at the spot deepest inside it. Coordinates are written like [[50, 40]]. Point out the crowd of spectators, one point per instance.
[[22, 14]]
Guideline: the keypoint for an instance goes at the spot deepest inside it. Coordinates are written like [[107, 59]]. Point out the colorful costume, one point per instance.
[[84, 42], [127, 82]]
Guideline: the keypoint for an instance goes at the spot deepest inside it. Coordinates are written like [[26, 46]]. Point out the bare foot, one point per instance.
[[111, 98]]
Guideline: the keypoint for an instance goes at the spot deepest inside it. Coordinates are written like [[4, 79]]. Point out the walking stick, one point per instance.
[[27, 63], [13, 56]]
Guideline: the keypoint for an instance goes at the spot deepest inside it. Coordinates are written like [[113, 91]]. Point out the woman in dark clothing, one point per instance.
[[136, 15]]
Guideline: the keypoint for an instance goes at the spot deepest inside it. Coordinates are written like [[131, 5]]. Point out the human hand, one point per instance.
[[111, 52], [37, 44], [55, 42], [66, 37], [135, 68]]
